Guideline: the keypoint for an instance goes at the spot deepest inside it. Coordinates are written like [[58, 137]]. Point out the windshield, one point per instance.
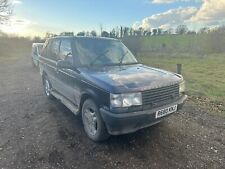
[[103, 52]]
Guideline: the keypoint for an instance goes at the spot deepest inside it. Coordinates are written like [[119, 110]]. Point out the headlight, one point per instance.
[[182, 87], [125, 100]]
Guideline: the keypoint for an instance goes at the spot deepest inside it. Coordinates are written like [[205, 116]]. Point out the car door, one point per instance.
[[39, 49], [51, 56], [34, 54], [66, 77]]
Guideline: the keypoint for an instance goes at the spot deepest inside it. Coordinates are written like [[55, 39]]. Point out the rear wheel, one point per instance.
[[47, 87], [94, 126]]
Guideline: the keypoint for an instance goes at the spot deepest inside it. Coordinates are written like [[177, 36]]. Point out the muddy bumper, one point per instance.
[[130, 122]]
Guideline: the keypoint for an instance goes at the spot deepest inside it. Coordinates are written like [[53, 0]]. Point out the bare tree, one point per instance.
[[154, 32], [112, 33], [38, 39], [93, 33], [105, 34], [170, 31], [101, 29], [141, 31], [49, 35], [125, 31], [191, 32], [204, 30], [220, 29], [5, 11], [117, 32], [131, 31], [81, 33], [182, 29], [87, 33]]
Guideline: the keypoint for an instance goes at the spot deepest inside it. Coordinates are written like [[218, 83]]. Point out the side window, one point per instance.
[[65, 52], [45, 48], [53, 49]]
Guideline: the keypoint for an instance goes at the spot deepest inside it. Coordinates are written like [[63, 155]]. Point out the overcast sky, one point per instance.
[[35, 17]]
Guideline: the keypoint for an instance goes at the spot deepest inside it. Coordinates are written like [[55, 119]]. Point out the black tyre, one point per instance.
[[94, 126], [47, 87]]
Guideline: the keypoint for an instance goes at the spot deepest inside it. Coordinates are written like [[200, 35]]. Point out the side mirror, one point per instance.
[[61, 64], [69, 55]]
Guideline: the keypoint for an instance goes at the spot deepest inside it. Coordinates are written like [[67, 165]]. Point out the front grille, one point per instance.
[[159, 96]]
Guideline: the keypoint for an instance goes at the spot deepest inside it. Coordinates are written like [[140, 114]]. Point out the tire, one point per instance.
[[93, 124], [47, 87]]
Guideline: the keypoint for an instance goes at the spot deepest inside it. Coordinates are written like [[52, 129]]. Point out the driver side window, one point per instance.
[[65, 52]]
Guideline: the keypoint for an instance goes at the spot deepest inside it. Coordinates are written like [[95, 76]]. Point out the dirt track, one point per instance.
[[38, 133]]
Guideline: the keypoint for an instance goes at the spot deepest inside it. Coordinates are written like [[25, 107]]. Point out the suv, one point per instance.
[[100, 79]]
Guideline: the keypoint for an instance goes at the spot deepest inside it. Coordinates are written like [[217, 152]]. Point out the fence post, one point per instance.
[[179, 68]]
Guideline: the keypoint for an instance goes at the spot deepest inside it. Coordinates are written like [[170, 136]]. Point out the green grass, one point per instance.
[[204, 75], [195, 44]]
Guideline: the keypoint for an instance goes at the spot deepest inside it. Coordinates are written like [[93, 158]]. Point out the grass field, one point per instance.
[[195, 44], [204, 75]]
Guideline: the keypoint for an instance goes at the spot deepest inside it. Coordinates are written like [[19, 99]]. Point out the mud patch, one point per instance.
[[56, 158], [63, 134]]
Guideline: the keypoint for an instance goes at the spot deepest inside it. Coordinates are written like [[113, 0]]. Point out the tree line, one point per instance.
[[123, 32]]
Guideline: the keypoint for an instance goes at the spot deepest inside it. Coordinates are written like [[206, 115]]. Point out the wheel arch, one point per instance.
[[89, 94]]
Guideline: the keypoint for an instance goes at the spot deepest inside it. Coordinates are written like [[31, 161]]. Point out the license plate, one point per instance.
[[166, 111]]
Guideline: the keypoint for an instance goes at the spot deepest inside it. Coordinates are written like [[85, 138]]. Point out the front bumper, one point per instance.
[[130, 122]]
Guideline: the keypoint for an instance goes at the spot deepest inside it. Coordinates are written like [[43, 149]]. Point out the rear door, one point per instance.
[[50, 57], [34, 52]]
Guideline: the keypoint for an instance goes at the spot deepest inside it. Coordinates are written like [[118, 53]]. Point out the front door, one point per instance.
[[66, 77]]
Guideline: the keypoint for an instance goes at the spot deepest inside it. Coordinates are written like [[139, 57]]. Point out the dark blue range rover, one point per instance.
[[100, 79]]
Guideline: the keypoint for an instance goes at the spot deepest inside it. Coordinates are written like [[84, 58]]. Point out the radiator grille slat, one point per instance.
[[158, 96]]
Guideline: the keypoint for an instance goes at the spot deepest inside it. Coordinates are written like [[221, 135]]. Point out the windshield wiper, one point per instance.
[[99, 56], [121, 60]]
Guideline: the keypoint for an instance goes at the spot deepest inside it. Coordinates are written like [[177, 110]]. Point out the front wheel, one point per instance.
[[93, 124]]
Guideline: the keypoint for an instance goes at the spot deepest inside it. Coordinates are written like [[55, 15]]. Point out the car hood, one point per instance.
[[129, 78]]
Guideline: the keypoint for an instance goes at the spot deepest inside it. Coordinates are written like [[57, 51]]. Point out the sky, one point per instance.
[[36, 17]]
